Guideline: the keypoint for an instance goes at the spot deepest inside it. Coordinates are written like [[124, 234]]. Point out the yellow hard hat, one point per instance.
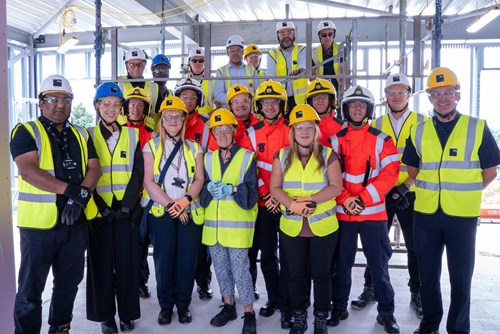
[[321, 86], [237, 89], [301, 113], [441, 76], [270, 89], [173, 103], [251, 48], [137, 93], [222, 116]]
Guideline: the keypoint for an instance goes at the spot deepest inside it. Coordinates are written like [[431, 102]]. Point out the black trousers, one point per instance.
[[313, 255], [203, 275], [112, 266]]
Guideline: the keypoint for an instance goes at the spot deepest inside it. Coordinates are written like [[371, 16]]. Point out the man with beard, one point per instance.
[[288, 59]]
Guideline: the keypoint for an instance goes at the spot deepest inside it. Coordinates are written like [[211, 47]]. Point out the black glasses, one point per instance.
[[201, 61], [325, 34]]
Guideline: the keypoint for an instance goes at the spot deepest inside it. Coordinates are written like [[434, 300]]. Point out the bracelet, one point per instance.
[[189, 198]]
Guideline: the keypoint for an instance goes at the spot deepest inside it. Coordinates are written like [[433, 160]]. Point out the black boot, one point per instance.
[[249, 323], [227, 314], [299, 322], [416, 305], [365, 298], [320, 322]]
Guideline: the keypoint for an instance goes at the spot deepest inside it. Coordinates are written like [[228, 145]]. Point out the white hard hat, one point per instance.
[[397, 79], [284, 25], [196, 52], [326, 24], [235, 40], [55, 84], [135, 53]]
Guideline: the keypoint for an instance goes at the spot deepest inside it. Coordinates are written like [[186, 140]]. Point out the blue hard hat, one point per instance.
[[160, 59], [108, 89]]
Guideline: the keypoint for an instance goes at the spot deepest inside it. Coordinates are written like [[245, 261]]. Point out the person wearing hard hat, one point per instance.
[[58, 169], [399, 201], [308, 225], [289, 59], [370, 166], [453, 158], [229, 197], [160, 67], [252, 56], [268, 137], [321, 95], [235, 68], [135, 63], [173, 178], [326, 50], [196, 62], [113, 252]]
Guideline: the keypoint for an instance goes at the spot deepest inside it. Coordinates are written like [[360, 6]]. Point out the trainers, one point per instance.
[[227, 314], [423, 329], [249, 323], [336, 316], [320, 322], [286, 320], [299, 322], [416, 305], [365, 298]]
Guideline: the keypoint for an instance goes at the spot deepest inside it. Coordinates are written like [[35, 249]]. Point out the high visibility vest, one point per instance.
[[224, 71], [383, 123], [317, 57], [451, 177], [191, 150], [116, 168], [299, 86], [226, 222], [306, 181], [37, 208]]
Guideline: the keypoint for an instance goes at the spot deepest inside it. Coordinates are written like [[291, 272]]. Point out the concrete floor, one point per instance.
[[485, 314]]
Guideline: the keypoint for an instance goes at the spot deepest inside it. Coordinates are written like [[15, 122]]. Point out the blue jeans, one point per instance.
[[63, 250]]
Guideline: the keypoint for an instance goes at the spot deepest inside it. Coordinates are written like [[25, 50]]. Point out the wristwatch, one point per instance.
[[189, 198]]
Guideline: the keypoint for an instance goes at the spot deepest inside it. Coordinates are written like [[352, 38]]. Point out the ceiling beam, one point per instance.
[[349, 7]]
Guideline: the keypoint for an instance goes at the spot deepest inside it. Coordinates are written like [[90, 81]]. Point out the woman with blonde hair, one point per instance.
[[173, 179], [306, 177]]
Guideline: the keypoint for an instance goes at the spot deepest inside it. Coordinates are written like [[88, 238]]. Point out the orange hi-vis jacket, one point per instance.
[[145, 132], [328, 127], [240, 137], [359, 149], [197, 129], [267, 139]]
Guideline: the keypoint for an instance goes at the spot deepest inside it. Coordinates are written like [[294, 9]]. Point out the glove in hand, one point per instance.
[[304, 209], [178, 207], [78, 194], [272, 204], [397, 197], [223, 190], [123, 213], [71, 212], [108, 214], [212, 185], [353, 206]]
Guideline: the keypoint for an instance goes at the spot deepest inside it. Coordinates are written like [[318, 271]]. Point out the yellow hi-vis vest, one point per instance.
[[37, 208], [117, 168], [152, 89], [317, 57], [190, 151], [383, 123], [299, 86], [224, 71], [449, 177], [225, 221], [299, 181]]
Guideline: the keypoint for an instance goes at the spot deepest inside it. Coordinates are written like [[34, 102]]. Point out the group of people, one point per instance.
[[215, 183]]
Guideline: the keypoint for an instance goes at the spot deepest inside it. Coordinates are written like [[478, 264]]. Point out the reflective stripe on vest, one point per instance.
[[225, 221], [317, 57], [116, 168], [451, 177], [43, 203], [299, 86], [384, 124], [305, 181]]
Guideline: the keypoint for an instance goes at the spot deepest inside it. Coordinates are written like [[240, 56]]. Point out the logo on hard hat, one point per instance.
[[218, 118], [136, 92], [440, 78], [318, 86], [285, 24], [254, 48], [237, 89], [135, 54], [358, 92], [113, 90], [269, 90], [57, 83], [170, 102], [299, 114], [188, 81], [396, 79]]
